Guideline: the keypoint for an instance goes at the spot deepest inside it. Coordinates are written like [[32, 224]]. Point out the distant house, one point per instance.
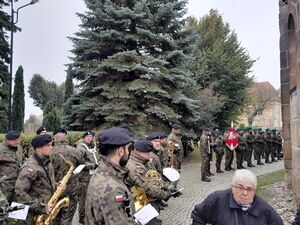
[[267, 102]]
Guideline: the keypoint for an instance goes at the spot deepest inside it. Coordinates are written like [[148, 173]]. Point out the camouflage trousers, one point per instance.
[[228, 158], [82, 197], [219, 156], [204, 163], [240, 152], [66, 215], [249, 153]]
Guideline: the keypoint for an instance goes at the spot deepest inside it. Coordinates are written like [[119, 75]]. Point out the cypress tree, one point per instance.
[[51, 117], [129, 59], [18, 106], [69, 86]]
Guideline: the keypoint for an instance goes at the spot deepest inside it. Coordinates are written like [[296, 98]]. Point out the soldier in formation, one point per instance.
[[174, 139]]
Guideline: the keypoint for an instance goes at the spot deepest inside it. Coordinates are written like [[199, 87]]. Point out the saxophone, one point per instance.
[[47, 219]]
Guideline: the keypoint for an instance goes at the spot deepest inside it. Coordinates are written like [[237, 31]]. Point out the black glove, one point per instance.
[[175, 192]]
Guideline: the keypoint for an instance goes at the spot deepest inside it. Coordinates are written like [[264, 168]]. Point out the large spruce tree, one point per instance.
[[18, 106], [222, 63], [129, 59], [4, 60]]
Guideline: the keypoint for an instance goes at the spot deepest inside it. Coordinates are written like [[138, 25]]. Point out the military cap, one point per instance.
[[40, 140], [154, 135], [274, 130], [115, 136], [60, 130], [12, 135], [40, 130], [143, 146], [163, 135], [89, 132], [176, 126]]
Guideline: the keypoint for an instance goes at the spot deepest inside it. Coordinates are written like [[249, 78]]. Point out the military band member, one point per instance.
[[108, 201], [11, 156], [174, 137], [274, 146], [279, 146], [60, 167], [139, 167], [88, 151], [164, 156], [36, 184]]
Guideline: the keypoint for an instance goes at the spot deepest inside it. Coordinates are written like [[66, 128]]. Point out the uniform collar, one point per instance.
[[42, 159], [9, 146], [112, 169], [138, 158]]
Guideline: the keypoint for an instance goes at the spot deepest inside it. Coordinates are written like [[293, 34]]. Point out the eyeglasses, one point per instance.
[[243, 189]]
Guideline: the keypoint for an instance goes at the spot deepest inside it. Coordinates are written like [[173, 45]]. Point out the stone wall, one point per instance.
[[289, 16]]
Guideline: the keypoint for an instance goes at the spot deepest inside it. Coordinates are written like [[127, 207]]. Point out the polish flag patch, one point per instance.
[[119, 198], [29, 170]]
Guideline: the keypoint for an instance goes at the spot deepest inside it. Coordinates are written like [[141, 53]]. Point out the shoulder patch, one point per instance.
[[119, 198]]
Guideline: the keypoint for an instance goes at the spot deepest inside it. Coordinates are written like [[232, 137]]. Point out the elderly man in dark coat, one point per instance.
[[236, 206]]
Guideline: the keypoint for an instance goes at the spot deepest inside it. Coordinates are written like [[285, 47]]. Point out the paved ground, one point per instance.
[[179, 210]]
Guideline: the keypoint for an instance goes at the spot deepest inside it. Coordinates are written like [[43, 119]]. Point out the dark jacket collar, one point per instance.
[[43, 161], [112, 169], [253, 210]]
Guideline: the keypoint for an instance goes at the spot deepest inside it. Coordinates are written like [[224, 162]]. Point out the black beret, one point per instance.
[[40, 130], [163, 134], [176, 126], [40, 140], [153, 136], [12, 135], [143, 146], [60, 130], [89, 132], [115, 136]]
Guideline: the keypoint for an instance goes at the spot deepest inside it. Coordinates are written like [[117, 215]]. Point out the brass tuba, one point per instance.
[[47, 219]]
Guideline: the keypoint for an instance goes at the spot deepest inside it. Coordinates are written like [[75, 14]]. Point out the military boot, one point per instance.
[[205, 179]]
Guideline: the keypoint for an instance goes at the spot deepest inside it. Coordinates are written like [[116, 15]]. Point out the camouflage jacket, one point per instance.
[[176, 139], [268, 138], [3, 203], [219, 145], [260, 140], [164, 156], [242, 142], [138, 168], [154, 159], [89, 160], [204, 145], [10, 163], [61, 167], [250, 138], [35, 184], [108, 201]]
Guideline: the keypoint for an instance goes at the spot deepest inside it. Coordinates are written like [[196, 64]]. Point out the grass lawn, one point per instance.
[[266, 180]]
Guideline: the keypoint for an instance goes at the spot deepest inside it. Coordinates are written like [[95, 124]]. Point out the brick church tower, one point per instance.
[[289, 22]]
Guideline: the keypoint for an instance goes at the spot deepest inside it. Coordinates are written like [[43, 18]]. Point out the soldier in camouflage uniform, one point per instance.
[[219, 151], [250, 138], [11, 154], [204, 153], [60, 167], [87, 149], [259, 147], [108, 201], [30, 150], [174, 137], [274, 146], [240, 150], [139, 166], [36, 184], [268, 146], [164, 156], [279, 146]]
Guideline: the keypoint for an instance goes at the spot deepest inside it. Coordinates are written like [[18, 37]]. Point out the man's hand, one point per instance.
[[49, 208]]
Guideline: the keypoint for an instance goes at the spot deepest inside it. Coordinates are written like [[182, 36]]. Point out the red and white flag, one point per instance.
[[232, 138]]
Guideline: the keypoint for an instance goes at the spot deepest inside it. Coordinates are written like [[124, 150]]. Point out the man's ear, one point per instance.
[[120, 151]]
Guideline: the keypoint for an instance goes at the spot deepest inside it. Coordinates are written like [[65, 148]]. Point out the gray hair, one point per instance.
[[244, 175]]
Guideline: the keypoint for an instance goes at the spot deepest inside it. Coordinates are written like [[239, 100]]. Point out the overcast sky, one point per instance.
[[43, 47]]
